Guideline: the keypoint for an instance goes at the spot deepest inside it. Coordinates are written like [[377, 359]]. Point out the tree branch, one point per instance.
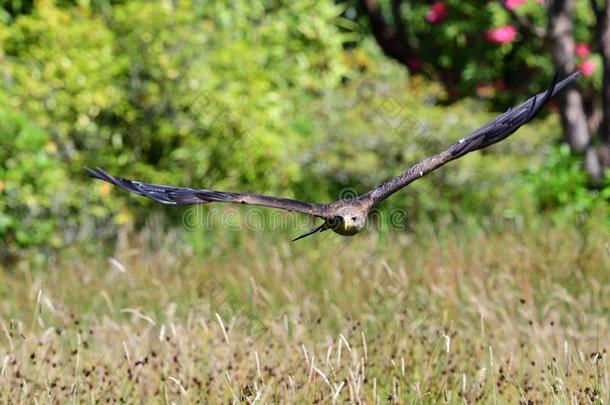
[[401, 32], [388, 37], [596, 10], [526, 23]]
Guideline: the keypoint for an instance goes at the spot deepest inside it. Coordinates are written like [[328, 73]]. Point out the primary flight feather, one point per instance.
[[348, 216]]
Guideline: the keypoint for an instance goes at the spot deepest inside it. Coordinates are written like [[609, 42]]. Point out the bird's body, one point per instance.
[[347, 217]]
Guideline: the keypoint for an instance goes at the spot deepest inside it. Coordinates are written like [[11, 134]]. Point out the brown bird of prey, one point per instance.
[[348, 216]]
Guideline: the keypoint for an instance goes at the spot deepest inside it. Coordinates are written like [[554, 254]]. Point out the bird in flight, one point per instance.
[[348, 216]]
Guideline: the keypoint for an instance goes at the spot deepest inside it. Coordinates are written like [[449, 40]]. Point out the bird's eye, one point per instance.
[[353, 218]]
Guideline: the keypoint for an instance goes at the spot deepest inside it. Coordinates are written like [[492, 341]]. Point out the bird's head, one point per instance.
[[347, 222]]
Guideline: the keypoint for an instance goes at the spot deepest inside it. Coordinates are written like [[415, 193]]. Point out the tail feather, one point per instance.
[[320, 228]]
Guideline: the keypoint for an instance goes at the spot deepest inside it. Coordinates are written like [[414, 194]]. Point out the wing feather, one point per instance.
[[493, 132], [188, 196]]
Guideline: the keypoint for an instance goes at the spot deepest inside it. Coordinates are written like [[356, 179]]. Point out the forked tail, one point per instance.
[[320, 228]]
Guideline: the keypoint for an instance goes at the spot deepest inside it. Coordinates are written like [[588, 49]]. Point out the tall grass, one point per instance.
[[457, 315]]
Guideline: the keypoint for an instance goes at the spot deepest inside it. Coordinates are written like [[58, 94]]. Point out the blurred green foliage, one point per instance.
[[31, 178], [257, 96], [561, 183]]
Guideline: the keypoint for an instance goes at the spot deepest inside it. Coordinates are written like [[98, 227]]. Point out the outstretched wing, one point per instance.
[[493, 132], [189, 196]]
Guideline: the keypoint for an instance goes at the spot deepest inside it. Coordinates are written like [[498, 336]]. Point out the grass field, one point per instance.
[[458, 316]]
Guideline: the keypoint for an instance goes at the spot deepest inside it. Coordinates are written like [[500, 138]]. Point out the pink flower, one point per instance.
[[582, 50], [414, 63], [588, 67], [437, 12], [502, 35], [514, 4]]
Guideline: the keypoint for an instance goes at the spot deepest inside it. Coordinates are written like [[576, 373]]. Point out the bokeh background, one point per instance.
[[487, 280], [302, 99]]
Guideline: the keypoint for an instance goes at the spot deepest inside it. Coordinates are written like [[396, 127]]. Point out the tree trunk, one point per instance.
[[571, 105], [604, 41]]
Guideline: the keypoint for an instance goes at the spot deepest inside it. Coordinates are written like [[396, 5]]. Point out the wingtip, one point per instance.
[[92, 172], [554, 88], [558, 85], [574, 74], [99, 173]]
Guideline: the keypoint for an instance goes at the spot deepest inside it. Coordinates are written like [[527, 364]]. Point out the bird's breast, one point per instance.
[[346, 229]]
